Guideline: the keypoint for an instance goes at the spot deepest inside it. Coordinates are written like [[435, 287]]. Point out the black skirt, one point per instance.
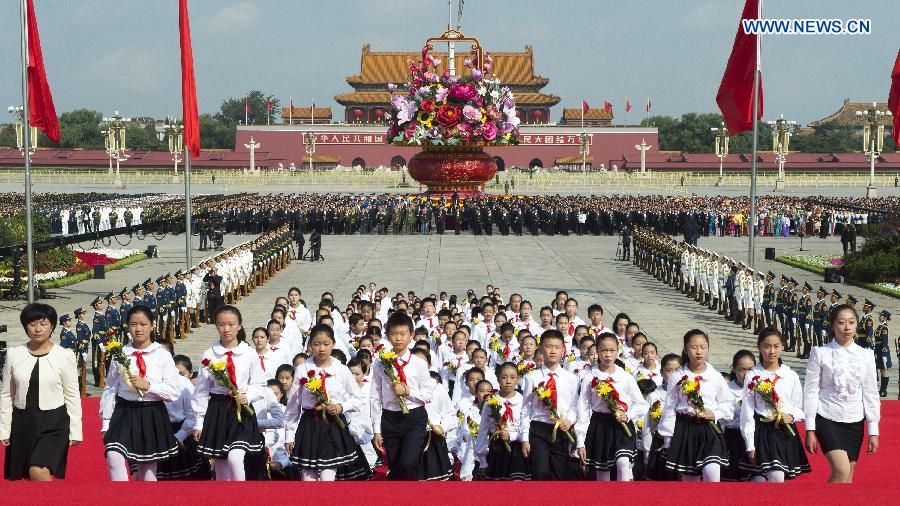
[[321, 444], [737, 457], [656, 461], [357, 470], [507, 465], [187, 464], [222, 432], [777, 450], [37, 438], [847, 436], [436, 459], [140, 431], [606, 441], [695, 444]]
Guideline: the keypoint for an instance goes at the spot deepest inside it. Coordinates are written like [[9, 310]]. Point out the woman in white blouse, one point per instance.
[[839, 395], [40, 406], [136, 426]]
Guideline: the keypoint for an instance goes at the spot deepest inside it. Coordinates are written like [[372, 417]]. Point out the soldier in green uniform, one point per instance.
[[883, 350], [865, 332], [820, 316], [98, 336], [83, 334], [124, 309], [780, 305], [791, 308], [805, 320], [768, 305]]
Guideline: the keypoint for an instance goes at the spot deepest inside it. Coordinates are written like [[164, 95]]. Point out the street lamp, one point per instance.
[[781, 138], [17, 112], [873, 142], [309, 139], [585, 149], [115, 143], [721, 134], [175, 133]]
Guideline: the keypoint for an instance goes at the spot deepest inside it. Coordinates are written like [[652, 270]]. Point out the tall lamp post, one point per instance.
[[873, 142], [17, 112], [781, 138], [175, 133], [585, 149], [115, 143], [309, 139], [721, 134]]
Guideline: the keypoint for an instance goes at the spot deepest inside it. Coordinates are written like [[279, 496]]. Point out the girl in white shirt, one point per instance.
[[442, 423], [696, 448], [136, 424], [316, 434], [187, 464], [607, 438], [774, 450], [218, 432], [840, 394], [742, 362], [496, 463], [270, 420], [361, 420]]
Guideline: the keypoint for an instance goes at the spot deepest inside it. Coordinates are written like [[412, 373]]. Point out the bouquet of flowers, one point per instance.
[[545, 395], [525, 367], [451, 366], [498, 346], [765, 390], [387, 359], [443, 109], [691, 389], [114, 350], [472, 427], [609, 394], [316, 387], [656, 411], [501, 419], [218, 370]]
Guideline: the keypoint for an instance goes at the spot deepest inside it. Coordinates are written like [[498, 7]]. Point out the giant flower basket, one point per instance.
[[453, 118]]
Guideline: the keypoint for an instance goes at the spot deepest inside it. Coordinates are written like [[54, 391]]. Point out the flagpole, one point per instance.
[[291, 112], [626, 112], [583, 155], [26, 145], [751, 254], [188, 234]]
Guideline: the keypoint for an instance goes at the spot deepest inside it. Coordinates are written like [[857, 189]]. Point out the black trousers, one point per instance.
[[404, 438], [549, 459]]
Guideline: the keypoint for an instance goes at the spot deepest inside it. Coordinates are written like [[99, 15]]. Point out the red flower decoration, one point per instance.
[[427, 105], [303, 381], [595, 382], [311, 373], [204, 362], [448, 115]]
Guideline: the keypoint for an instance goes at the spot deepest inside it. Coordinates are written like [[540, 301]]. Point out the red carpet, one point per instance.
[[86, 482]]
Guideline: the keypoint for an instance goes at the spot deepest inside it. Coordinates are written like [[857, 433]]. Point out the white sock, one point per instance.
[[712, 472], [223, 472], [758, 479], [309, 474], [146, 472], [328, 474], [623, 469], [116, 466], [690, 477], [602, 475], [236, 465], [775, 476]]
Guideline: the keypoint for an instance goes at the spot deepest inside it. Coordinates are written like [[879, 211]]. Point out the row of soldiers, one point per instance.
[[180, 301], [745, 296]]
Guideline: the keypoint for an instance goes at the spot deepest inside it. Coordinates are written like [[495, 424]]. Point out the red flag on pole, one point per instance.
[[188, 84], [584, 106], [607, 106], [41, 112], [735, 96], [894, 98], [269, 105], [627, 105], [246, 106], [648, 104]]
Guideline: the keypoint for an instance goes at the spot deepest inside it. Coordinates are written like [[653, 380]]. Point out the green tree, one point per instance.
[[232, 110], [81, 129], [214, 134], [7, 136]]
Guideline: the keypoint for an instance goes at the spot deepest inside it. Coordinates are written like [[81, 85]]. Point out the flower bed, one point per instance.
[[818, 264], [83, 266]]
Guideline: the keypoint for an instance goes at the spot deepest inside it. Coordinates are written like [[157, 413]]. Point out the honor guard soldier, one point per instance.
[[138, 299], [768, 302], [791, 308], [181, 304], [113, 319], [124, 309], [805, 320], [83, 333], [98, 335], [865, 334], [883, 350], [820, 316], [835, 302], [780, 305]]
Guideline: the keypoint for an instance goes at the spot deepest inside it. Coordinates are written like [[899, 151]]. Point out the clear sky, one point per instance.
[[123, 54]]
